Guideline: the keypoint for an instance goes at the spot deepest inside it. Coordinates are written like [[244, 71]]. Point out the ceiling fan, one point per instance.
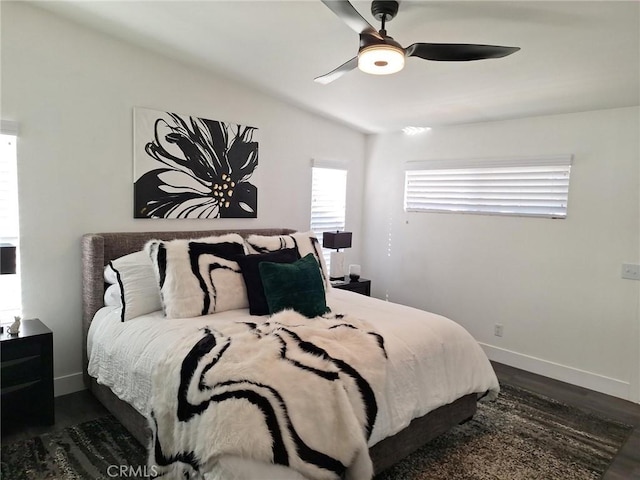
[[380, 54]]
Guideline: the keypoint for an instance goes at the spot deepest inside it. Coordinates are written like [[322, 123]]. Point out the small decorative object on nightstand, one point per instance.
[[27, 374], [354, 272], [362, 285], [14, 329]]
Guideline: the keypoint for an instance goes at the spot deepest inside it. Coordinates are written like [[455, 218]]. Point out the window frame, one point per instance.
[[328, 165], [10, 303]]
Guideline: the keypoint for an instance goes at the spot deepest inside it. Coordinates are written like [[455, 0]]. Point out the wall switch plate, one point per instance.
[[498, 329], [631, 271]]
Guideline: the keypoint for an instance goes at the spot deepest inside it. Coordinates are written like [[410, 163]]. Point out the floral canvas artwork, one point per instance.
[[190, 167]]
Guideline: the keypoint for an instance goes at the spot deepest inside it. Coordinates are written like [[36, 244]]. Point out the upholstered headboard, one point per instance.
[[98, 249]]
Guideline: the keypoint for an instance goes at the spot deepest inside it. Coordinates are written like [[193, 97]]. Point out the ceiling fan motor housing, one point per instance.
[[384, 9], [368, 40]]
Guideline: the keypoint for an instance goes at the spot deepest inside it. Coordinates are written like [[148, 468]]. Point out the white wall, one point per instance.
[[72, 90], [554, 284]]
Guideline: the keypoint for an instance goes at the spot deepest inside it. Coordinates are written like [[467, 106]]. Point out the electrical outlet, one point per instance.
[[498, 329], [631, 271]]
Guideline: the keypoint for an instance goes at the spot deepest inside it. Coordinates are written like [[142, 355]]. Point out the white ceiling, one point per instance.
[[574, 56]]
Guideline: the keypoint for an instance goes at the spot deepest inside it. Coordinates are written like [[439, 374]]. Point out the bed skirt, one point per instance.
[[384, 454]]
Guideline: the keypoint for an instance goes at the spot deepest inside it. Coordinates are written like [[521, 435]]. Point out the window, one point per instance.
[[537, 187], [328, 200], [9, 231]]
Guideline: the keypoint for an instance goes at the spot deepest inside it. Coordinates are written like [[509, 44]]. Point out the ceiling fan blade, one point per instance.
[[349, 15], [457, 52], [338, 72]]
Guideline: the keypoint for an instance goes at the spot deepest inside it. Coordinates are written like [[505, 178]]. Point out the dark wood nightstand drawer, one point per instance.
[[362, 286], [24, 403], [26, 374], [12, 350], [20, 370]]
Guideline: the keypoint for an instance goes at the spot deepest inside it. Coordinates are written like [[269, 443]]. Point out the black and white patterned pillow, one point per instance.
[[199, 277], [303, 242]]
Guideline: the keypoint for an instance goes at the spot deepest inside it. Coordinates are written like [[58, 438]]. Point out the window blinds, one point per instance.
[[525, 187]]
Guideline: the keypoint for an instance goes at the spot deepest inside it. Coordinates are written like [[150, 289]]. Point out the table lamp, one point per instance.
[[336, 240], [7, 259]]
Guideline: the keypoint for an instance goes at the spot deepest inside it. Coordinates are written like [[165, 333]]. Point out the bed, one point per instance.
[[388, 444]]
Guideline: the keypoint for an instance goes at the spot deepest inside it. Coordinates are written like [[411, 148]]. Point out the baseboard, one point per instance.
[[68, 384], [563, 373]]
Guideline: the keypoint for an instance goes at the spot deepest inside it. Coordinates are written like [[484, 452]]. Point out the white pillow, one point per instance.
[[113, 296], [199, 277], [139, 289], [304, 242], [110, 275]]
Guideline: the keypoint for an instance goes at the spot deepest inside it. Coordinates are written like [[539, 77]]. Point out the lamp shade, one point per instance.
[[7, 259], [336, 240]]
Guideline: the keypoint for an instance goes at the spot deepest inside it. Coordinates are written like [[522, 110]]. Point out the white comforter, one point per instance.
[[431, 360]]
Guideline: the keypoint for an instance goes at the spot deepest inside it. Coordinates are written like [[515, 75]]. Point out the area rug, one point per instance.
[[97, 449], [519, 436]]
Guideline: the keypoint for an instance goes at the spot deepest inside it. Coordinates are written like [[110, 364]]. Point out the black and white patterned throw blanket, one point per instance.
[[291, 391]]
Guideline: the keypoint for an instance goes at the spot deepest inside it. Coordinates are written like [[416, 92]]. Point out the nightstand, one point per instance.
[[27, 374], [362, 285]]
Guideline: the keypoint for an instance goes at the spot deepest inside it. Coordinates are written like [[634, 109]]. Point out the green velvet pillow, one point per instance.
[[296, 285]]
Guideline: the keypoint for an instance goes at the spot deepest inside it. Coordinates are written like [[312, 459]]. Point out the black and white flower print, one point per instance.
[[204, 170]]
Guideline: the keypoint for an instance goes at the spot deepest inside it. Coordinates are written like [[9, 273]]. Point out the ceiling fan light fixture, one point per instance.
[[381, 59]]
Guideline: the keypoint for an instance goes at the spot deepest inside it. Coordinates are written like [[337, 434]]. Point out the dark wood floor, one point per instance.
[[82, 406]]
